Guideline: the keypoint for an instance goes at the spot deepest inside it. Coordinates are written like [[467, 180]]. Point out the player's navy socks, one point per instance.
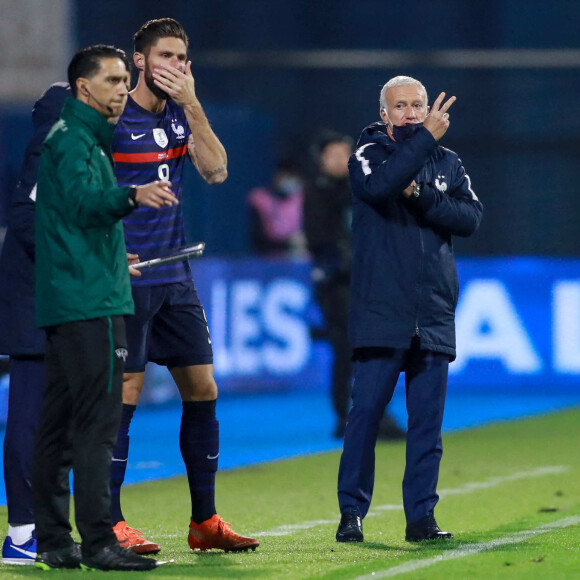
[[199, 444], [119, 463]]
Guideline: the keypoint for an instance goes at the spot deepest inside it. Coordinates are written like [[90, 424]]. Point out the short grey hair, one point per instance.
[[400, 81]]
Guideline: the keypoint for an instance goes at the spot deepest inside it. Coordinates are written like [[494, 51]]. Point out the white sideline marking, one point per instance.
[[494, 481], [466, 488], [470, 550], [291, 528]]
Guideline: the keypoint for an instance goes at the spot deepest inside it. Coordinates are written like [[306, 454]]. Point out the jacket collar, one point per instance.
[[404, 132], [377, 133], [86, 115]]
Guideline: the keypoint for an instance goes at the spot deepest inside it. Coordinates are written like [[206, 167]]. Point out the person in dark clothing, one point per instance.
[[21, 340], [327, 226], [410, 196]]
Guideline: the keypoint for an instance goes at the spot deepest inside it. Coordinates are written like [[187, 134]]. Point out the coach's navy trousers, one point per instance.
[[376, 372], [24, 401]]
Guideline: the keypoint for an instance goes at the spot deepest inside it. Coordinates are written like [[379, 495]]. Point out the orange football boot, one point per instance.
[[216, 533], [134, 540]]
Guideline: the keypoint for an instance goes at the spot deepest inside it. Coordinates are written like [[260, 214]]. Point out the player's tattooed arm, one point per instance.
[[209, 175], [205, 149]]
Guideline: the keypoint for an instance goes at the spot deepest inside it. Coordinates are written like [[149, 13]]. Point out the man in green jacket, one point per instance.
[[83, 291]]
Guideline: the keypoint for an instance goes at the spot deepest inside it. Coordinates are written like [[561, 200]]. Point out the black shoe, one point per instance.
[[426, 529], [69, 557], [349, 529], [115, 557]]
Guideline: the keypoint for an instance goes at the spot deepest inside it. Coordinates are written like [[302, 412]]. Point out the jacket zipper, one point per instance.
[[417, 333]]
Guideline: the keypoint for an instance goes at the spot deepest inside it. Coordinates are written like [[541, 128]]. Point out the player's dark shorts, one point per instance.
[[169, 328]]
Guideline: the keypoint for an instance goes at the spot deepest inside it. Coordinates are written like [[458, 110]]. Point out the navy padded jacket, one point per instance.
[[19, 335], [404, 279]]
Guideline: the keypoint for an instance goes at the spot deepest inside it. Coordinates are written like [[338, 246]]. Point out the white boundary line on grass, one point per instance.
[[288, 529], [470, 550], [494, 481]]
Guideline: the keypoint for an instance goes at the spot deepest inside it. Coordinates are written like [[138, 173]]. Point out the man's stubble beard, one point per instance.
[[159, 93]]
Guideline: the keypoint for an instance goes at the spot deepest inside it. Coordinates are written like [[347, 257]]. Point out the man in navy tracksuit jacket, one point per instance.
[[410, 196], [21, 339]]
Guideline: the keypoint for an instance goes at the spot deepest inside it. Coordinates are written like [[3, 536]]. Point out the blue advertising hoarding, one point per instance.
[[518, 326]]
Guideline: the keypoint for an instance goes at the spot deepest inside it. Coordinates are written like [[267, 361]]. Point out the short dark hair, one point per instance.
[[153, 30], [325, 138], [87, 62]]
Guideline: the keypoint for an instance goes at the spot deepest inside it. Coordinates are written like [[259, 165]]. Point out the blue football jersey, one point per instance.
[[149, 146]]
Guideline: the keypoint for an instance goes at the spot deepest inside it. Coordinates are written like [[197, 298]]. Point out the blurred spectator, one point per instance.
[[276, 214], [327, 226]]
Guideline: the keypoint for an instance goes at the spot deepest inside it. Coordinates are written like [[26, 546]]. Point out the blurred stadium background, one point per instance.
[[271, 74]]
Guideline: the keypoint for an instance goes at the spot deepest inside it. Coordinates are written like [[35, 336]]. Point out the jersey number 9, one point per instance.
[[163, 172]]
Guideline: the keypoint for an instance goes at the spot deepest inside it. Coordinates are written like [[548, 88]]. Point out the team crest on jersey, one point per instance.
[[160, 137], [441, 185], [178, 130]]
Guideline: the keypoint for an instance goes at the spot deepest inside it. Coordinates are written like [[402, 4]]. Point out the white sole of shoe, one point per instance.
[[18, 561]]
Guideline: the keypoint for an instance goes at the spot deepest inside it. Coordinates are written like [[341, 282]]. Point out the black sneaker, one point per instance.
[[115, 557], [426, 529], [349, 529], [69, 557]]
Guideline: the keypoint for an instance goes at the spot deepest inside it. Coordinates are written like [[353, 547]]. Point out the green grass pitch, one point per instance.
[[510, 493]]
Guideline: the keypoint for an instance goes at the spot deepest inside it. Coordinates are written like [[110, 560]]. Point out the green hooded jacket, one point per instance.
[[81, 269]]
